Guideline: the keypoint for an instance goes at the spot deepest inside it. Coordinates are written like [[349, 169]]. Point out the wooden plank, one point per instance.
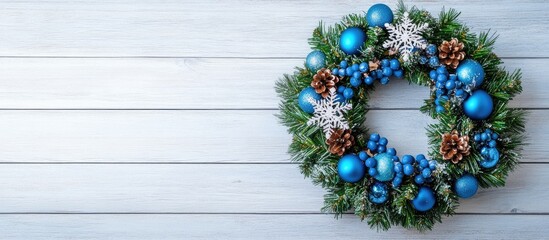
[[195, 136], [212, 188], [258, 227], [108, 83], [227, 28]]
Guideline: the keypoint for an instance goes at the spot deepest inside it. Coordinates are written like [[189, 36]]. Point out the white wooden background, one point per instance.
[[154, 120]]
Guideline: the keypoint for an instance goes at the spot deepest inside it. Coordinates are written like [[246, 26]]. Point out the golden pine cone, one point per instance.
[[453, 147], [340, 141], [323, 80], [451, 53]]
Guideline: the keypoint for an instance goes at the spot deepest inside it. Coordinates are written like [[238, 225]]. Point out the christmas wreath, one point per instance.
[[476, 141]]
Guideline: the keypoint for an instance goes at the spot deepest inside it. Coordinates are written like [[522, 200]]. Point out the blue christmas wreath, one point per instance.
[[476, 141]]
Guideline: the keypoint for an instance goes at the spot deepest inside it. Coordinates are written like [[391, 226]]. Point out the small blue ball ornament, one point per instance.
[[378, 15], [379, 193], [425, 199], [466, 186], [478, 106], [470, 72], [385, 167], [350, 168], [315, 60], [304, 99], [490, 157], [351, 40]]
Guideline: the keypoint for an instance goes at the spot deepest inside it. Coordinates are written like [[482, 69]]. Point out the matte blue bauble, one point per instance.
[[425, 199], [490, 157], [379, 193], [466, 186], [315, 60], [470, 72], [304, 99], [385, 167], [350, 168], [378, 15], [478, 106], [351, 40]]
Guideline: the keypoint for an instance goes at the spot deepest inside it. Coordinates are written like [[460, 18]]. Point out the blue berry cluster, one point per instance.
[[487, 138], [378, 144], [420, 166], [487, 141], [430, 58], [447, 85]]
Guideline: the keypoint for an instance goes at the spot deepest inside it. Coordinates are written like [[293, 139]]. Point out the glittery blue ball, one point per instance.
[[385, 167], [378, 15], [425, 199], [490, 157], [315, 60], [466, 186], [478, 106], [305, 96], [470, 72], [350, 168], [351, 40], [379, 193]]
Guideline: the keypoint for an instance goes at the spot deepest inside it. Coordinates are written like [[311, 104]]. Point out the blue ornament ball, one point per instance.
[[378, 15], [479, 105], [379, 193], [351, 40], [425, 199], [466, 186], [350, 168], [490, 157], [470, 72], [304, 99], [385, 167], [315, 60]]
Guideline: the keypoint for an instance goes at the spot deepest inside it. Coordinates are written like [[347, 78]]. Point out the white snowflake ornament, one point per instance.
[[329, 113], [405, 36]]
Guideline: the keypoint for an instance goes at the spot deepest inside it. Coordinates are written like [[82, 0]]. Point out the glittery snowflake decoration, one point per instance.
[[329, 113], [405, 36]]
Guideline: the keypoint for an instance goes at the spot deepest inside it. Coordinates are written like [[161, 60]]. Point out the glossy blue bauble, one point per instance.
[[479, 105], [470, 72], [425, 199], [490, 157], [385, 167], [350, 168], [304, 99], [466, 186], [378, 15], [315, 60], [379, 193], [351, 40]]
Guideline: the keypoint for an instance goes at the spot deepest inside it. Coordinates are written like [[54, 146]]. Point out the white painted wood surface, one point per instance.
[[154, 120]]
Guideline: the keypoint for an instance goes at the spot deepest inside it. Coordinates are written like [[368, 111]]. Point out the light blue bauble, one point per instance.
[[378, 15], [478, 106], [304, 99], [351, 40], [466, 186], [385, 167], [490, 157], [315, 60], [379, 193], [425, 199], [350, 168], [470, 72]]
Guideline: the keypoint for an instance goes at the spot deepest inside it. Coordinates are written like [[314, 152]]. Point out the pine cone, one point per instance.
[[323, 80], [454, 147], [451, 52], [340, 141]]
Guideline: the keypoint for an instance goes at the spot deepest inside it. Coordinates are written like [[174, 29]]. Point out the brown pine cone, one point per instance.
[[451, 52], [323, 80], [454, 147], [340, 141]]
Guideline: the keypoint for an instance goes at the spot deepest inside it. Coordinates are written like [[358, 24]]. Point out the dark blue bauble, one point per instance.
[[470, 72], [385, 167], [350, 168], [466, 186], [351, 40], [304, 99], [315, 60], [479, 105], [379, 193], [378, 15], [490, 157], [425, 199]]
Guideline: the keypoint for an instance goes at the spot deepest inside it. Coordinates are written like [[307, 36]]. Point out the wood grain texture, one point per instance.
[[227, 28]]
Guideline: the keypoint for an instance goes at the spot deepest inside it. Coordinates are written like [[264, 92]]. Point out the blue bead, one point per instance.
[[433, 74], [419, 179], [315, 60], [440, 109], [395, 64], [385, 63], [383, 141], [420, 157], [484, 137], [426, 172], [379, 73], [370, 162], [433, 61], [335, 71], [357, 74], [398, 167], [477, 137], [384, 80], [355, 82], [341, 72], [379, 193], [369, 80], [425, 199], [387, 72], [398, 73], [348, 93], [392, 151], [362, 155], [408, 169], [440, 85], [433, 164], [343, 64], [442, 70], [400, 174], [441, 78], [466, 186], [423, 60], [350, 168], [378, 15], [495, 136], [349, 71], [340, 89], [381, 149], [478, 106], [424, 163], [460, 93], [363, 67], [340, 98], [407, 159], [374, 137], [431, 49], [372, 145], [450, 85], [304, 98], [372, 172], [385, 167], [351, 40], [354, 67], [470, 72], [492, 143], [397, 181], [452, 77]]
